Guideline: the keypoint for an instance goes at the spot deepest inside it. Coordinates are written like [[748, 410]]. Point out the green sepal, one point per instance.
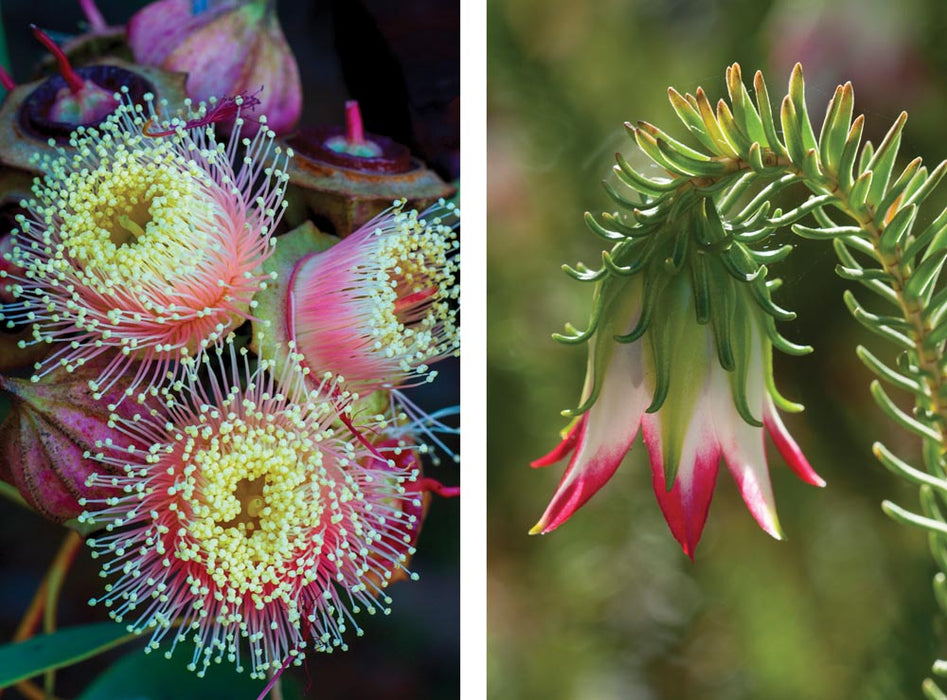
[[615, 300], [770, 256], [600, 231], [736, 190], [582, 274], [654, 284], [634, 250], [763, 300], [639, 230], [702, 296], [781, 343], [742, 332], [721, 314], [740, 265], [618, 198], [781, 401]]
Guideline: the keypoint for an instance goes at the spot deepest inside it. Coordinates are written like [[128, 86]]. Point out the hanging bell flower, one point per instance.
[[682, 349], [227, 47]]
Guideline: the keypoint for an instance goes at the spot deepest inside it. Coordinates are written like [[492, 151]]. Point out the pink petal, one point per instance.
[[686, 505], [602, 437], [743, 448], [563, 448], [788, 447]]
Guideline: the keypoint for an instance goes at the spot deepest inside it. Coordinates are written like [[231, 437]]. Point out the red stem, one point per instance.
[[74, 82], [6, 80], [354, 131]]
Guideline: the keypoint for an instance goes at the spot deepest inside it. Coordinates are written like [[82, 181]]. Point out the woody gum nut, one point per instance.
[[25, 124]]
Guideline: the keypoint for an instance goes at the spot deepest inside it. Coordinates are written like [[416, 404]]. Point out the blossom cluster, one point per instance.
[[216, 400]]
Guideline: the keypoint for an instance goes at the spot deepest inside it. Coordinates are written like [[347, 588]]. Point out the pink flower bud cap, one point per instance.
[[227, 47]]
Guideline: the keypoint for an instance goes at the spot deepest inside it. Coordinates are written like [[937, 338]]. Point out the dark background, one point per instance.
[[413, 653]]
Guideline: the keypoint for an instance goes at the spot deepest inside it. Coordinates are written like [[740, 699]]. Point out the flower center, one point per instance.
[[132, 220], [254, 494], [411, 314]]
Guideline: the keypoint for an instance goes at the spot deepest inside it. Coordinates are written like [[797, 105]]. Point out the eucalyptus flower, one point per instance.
[[147, 237]]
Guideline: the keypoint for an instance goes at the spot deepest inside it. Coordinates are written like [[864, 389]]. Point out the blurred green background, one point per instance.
[[608, 606]]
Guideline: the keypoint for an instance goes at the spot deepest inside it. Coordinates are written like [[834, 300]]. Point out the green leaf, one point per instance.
[[691, 119], [744, 113], [766, 114], [883, 161], [140, 676], [850, 150], [838, 119], [46, 652]]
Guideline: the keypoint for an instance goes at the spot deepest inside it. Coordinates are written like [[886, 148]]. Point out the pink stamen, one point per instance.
[[75, 83], [93, 16], [276, 677], [354, 131], [6, 80], [414, 299], [435, 486]]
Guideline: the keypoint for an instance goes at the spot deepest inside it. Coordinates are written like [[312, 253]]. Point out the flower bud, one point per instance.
[[233, 47], [54, 429]]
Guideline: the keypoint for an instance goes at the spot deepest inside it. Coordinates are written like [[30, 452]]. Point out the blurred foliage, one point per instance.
[[607, 606]]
